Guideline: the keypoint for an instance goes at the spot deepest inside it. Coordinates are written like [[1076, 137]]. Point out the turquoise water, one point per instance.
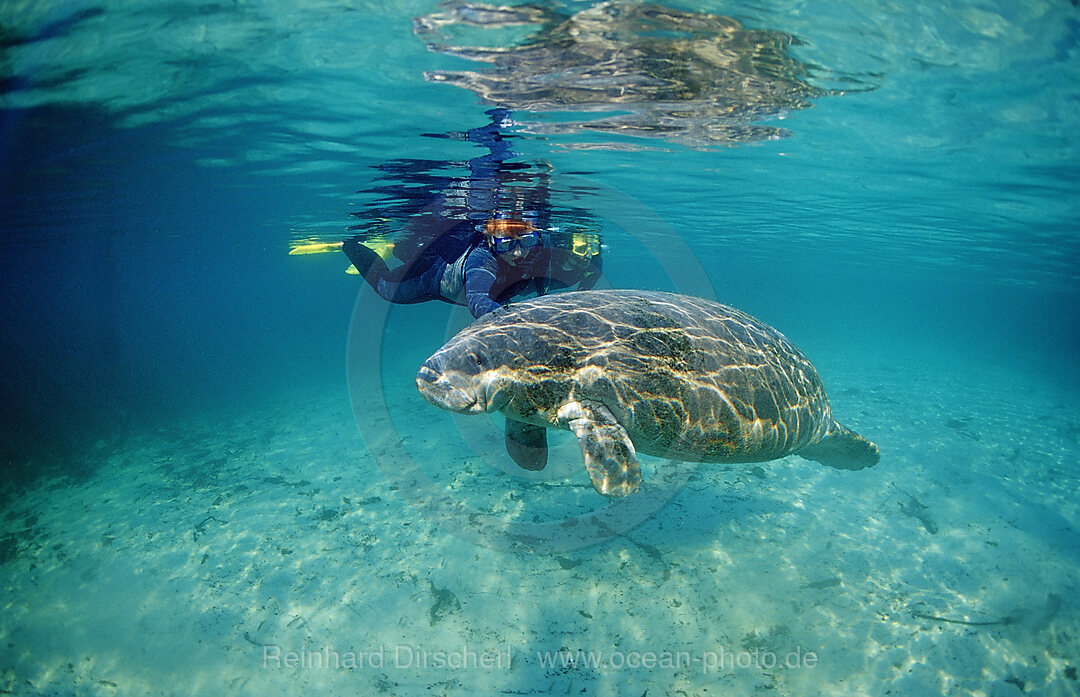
[[214, 451]]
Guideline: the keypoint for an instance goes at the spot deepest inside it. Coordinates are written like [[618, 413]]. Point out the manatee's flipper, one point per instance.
[[843, 449], [609, 454], [527, 444]]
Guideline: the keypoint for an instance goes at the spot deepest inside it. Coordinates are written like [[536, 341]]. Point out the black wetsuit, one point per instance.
[[476, 277]]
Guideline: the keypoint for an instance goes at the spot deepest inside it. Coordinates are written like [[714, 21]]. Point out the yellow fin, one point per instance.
[[585, 244], [315, 248], [383, 249]]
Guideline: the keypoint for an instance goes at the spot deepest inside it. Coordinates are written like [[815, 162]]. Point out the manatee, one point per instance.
[[631, 371]]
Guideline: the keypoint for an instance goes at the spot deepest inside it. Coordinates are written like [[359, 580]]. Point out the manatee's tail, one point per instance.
[[843, 449]]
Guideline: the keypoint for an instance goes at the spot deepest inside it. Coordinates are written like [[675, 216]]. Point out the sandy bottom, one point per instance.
[[278, 552]]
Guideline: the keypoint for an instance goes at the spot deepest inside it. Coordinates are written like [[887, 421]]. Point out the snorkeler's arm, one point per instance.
[[565, 270], [594, 268], [481, 269]]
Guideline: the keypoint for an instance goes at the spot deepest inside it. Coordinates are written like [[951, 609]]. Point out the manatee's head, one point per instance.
[[473, 373]]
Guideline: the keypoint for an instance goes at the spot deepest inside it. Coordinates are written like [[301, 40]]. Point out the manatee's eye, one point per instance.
[[475, 359]]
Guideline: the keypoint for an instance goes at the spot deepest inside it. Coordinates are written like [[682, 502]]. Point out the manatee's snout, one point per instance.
[[450, 389]]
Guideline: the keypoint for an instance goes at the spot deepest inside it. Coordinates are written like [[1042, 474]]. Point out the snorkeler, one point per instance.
[[502, 250], [509, 260]]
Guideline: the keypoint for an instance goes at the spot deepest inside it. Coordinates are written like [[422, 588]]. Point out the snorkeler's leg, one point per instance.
[[410, 286], [366, 260]]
